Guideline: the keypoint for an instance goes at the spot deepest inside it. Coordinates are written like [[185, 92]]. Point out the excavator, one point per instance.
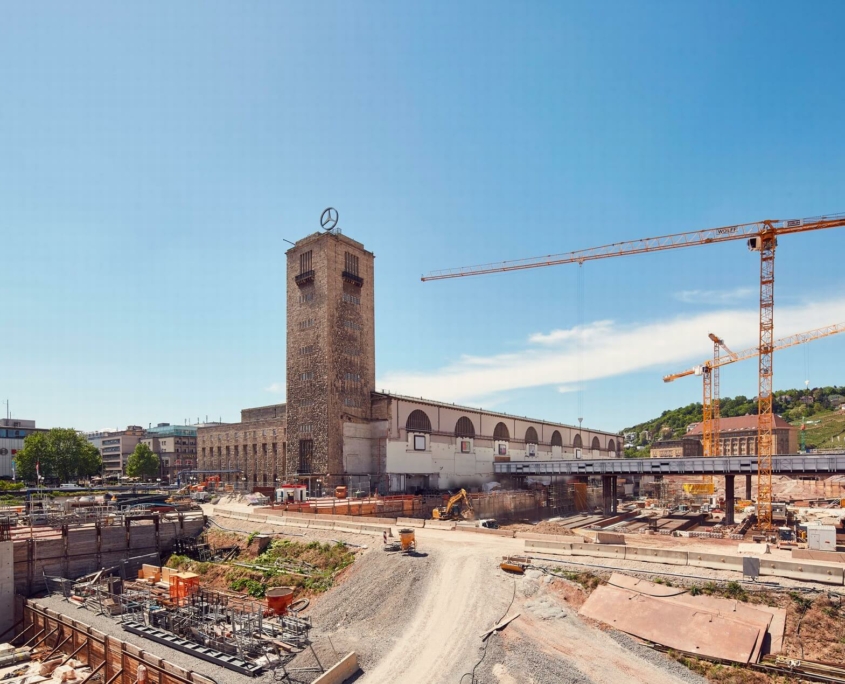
[[452, 510]]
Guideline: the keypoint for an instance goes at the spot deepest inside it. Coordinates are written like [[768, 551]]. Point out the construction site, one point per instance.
[[422, 343], [450, 549]]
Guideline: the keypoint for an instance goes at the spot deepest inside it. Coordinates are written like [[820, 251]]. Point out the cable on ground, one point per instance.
[[487, 641]]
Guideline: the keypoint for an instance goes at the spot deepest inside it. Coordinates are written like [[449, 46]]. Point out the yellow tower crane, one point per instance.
[[762, 237], [709, 372]]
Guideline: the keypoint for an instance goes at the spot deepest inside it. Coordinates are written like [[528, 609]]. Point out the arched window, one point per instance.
[[418, 422], [611, 445], [531, 436], [464, 427], [577, 442], [501, 432], [596, 445], [557, 440]]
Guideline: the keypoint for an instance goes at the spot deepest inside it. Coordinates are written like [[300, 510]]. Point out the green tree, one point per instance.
[[142, 463], [62, 454]]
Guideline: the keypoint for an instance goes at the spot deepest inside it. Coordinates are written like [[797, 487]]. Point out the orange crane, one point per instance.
[[709, 372], [761, 236]]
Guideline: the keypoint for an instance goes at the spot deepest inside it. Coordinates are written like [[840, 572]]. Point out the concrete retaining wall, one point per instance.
[[715, 561], [598, 551], [556, 548], [567, 538], [650, 555], [440, 524], [810, 572], [410, 522], [813, 572]]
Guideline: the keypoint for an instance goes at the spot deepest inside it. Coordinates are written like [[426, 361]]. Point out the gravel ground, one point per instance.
[[656, 657], [549, 643]]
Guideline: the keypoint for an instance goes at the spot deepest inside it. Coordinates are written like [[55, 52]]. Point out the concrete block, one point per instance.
[[552, 547], [257, 517], [811, 572], [484, 530], [599, 551], [321, 524], [715, 561], [410, 522], [347, 527], [339, 673], [372, 529], [609, 538], [440, 524], [566, 538], [645, 554]]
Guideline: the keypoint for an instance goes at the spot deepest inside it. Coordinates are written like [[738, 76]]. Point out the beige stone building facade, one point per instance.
[[336, 429], [689, 447], [251, 453]]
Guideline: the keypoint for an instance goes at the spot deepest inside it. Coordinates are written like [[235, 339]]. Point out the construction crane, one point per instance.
[[762, 237], [709, 372]]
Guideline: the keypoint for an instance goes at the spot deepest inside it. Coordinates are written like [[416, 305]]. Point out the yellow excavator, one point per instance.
[[453, 510]]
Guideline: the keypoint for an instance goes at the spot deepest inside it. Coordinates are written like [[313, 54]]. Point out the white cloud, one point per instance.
[[275, 388], [716, 297], [566, 389], [554, 358]]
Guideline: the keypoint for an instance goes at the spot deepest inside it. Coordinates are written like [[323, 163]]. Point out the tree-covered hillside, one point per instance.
[[793, 405]]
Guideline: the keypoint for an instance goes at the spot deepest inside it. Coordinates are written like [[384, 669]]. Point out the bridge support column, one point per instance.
[[748, 486], [729, 499], [613, 495], [607, 494]]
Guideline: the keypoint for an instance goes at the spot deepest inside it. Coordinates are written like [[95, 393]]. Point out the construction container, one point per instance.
[[821, 537], [340, 492], [406, 539], [279, 599]]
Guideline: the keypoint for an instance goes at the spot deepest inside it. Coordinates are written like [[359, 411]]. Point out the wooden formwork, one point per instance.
[[117, 660]]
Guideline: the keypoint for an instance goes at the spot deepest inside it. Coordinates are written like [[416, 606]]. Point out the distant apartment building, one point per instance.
[[115, 447], [175, 446], [13, 431]]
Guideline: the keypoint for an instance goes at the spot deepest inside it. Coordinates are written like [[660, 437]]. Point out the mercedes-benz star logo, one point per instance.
[[328, 219]]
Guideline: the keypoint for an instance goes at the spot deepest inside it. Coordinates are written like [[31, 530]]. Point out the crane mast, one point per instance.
[[762, 236]]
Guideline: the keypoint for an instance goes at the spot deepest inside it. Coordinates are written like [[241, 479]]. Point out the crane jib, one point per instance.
[[644, 245]]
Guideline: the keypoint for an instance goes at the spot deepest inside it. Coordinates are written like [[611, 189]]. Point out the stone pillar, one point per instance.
[[729, 499], [748, 486]]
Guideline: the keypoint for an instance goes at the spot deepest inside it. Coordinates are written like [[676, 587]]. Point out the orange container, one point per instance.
[[279, 598], [183, 585], [340, 492]]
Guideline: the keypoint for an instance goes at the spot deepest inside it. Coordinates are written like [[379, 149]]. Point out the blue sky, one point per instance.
[[154, 156]]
